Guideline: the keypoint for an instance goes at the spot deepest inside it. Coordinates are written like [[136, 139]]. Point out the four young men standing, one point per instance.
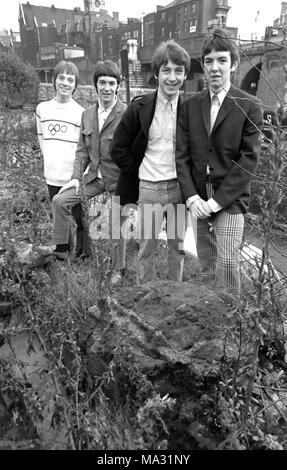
[[163, 154]]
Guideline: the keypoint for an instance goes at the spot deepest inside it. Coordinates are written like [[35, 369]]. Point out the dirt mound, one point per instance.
[[178, 334]]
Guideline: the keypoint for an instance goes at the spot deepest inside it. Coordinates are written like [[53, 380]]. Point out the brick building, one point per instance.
[[110, 41], [186, 21], [278, 31], [10, 41], [49, 33]]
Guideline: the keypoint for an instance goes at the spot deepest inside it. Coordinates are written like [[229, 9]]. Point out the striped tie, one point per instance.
[[213, 111]]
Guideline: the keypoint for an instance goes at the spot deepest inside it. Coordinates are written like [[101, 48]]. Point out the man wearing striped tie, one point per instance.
[[218, 144]]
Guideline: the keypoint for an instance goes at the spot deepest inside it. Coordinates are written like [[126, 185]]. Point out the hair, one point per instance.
[[220, 40], [172, 51], [69, 68], [106, 68]]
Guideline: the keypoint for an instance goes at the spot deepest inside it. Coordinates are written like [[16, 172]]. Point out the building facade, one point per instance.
[[185, 21], [49, 34], [278, 31], [10, 41]]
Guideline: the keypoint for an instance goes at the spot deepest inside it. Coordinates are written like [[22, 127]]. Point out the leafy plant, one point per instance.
[[18, 81]]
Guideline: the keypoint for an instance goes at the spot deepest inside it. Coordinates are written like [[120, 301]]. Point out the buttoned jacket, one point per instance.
[[231, 150]]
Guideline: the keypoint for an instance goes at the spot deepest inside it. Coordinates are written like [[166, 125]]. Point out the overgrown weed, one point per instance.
[[113, 405]]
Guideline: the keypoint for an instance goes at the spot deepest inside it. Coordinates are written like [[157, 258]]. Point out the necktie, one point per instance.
[[213, 111], [168, 108]]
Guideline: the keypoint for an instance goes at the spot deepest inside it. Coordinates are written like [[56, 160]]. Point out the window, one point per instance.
[[192, 25], [185, 10], [129, 35], [162, 31], [162, 17], [193, 8], [170, 35], [110, 45], [179, 11], [184, 26], [169, 18], [135, 33], [178, 32]]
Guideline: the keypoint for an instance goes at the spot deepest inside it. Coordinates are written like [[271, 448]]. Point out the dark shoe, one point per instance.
[[80, 259], [83, 244], [48, 251], [61, 255]]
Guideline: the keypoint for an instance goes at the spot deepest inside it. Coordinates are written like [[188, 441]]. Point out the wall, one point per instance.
[[272, 83], [86, 94], [274, 69]]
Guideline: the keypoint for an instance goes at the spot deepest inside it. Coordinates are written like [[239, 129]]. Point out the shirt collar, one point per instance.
[[163, 101], [221, 95], [101, 109]]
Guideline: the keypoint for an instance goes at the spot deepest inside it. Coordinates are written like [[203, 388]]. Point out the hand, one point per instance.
[[200, 209], [74, 183]]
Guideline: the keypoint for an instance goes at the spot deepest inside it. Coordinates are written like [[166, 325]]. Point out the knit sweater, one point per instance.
[[58, 128]]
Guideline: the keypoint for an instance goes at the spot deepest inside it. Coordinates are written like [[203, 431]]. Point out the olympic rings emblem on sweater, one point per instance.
[[57, 128]]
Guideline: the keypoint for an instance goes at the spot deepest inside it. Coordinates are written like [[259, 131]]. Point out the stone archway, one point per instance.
[[251, 80]]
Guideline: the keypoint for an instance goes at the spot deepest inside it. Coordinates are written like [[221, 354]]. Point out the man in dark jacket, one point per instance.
[[143, 147], [93, 153], [218, 144]]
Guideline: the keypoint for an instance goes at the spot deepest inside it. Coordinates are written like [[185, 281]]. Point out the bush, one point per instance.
[[18, 81]]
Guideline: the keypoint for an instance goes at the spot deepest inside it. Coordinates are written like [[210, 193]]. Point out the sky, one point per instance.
[[243, 13]]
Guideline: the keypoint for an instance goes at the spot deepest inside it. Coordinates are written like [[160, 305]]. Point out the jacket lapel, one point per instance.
[[146, 111], [114, 112], [179, 106], [205, 111], [95, 121], [227, 106], [91, 123]]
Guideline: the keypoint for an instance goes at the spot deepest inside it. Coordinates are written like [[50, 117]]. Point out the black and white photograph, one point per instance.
[[143, 228]]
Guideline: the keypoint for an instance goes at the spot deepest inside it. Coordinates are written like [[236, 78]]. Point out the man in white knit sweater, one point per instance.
[[58, 128]]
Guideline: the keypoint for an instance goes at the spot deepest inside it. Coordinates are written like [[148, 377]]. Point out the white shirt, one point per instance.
[[103, 113], [159, 161], [214, 206]]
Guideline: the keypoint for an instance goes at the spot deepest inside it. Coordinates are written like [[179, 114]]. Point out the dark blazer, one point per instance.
[[130, 142], [94, 147], [231, 151]]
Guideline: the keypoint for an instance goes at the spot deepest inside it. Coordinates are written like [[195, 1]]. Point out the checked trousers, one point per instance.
[[63, 205], [219, 240], [158, 201]]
